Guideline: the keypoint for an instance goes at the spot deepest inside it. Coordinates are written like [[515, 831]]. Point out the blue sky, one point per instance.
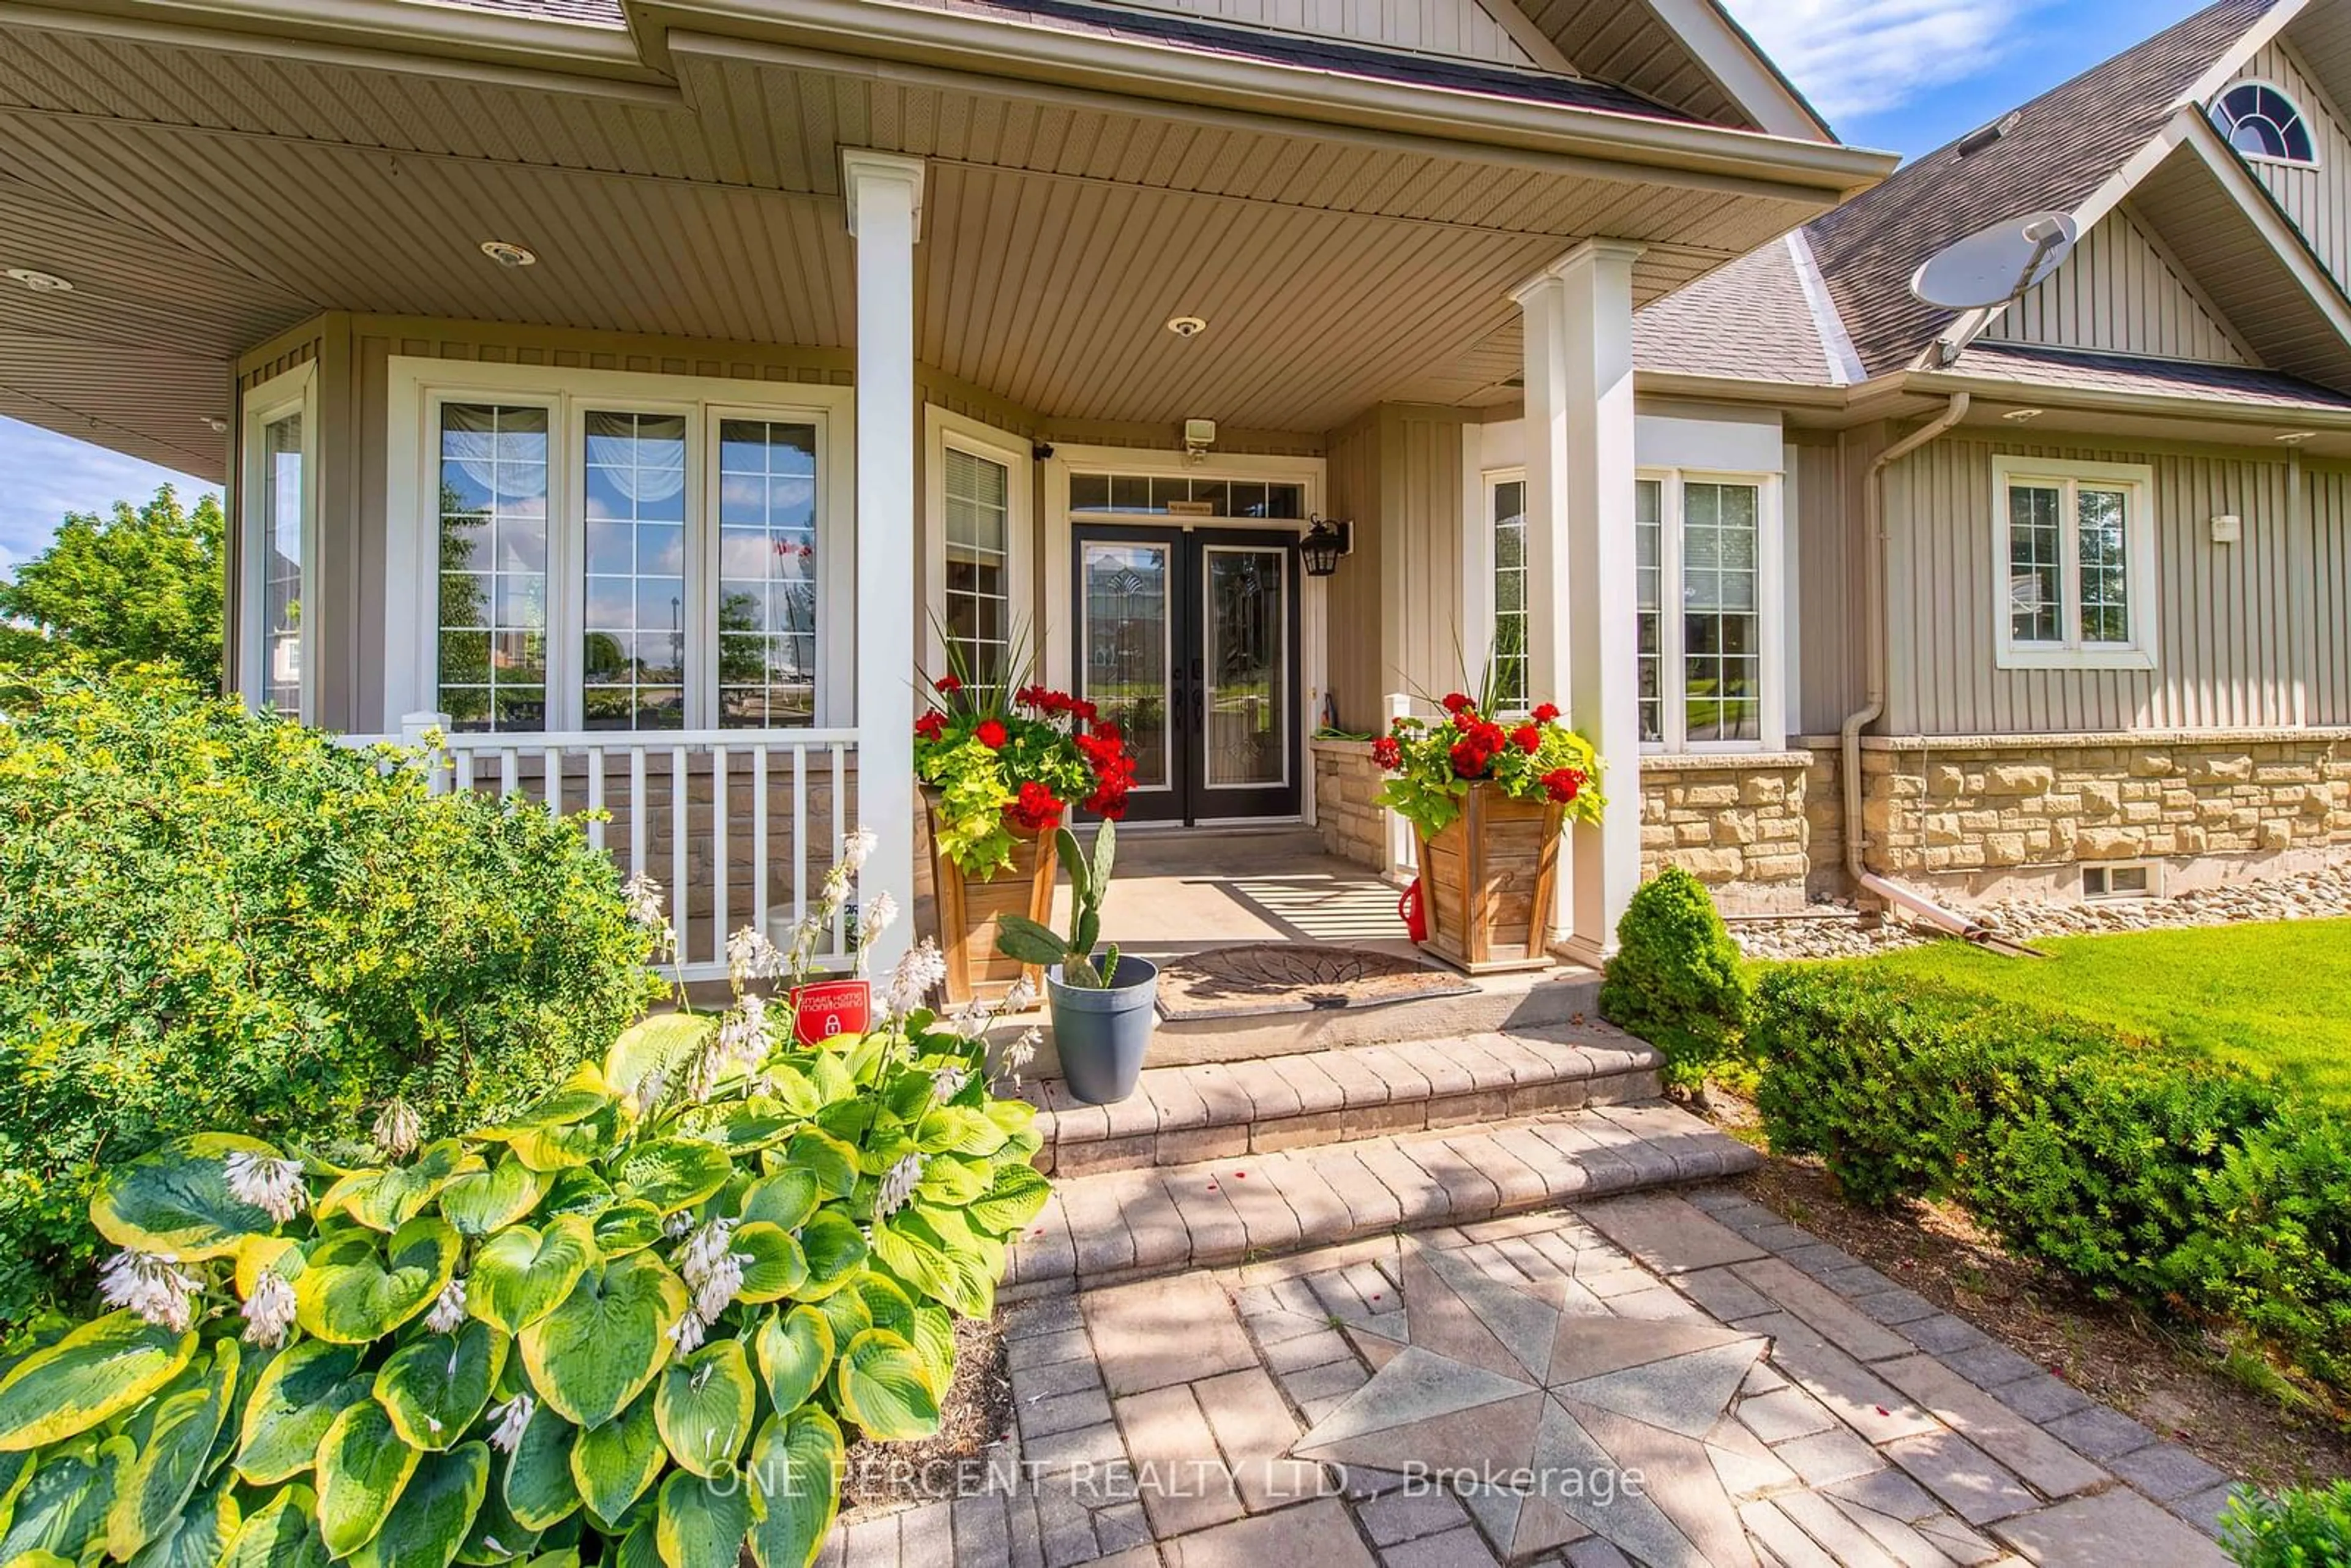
[[1906, 76]]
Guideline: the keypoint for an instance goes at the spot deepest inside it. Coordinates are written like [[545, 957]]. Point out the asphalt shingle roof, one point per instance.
[[2081, 370], [1748, 321]]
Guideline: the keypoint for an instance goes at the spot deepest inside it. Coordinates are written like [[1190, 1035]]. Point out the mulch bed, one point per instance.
[[2166, 1376], [976, 1416]]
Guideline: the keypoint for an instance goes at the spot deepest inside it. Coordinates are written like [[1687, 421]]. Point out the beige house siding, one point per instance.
[[1421, 562], [2318, 199], [1827, 587], [2231, 620], [1463, 28], [1352, 488], [2121, 292], [2326, 610]]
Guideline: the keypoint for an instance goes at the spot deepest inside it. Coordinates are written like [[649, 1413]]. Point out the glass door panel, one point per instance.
[[1245, 632], [1126, 630]]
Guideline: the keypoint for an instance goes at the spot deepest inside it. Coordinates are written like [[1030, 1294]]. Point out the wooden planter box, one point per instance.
[[968, 912], [1487, 883]]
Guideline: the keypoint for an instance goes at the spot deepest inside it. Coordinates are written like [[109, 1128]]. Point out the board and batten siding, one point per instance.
[[1463, 28], [2234, 636], [1830, 638], [2317, 198], [2120, 292], [1352, 479], [2328, 609]]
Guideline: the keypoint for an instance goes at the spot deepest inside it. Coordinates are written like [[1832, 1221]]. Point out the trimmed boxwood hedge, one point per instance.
[[2141, 1170]]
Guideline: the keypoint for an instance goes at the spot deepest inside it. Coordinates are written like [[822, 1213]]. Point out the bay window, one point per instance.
[[2075, 562], [1707, 582], [619, 552], [278, 504]]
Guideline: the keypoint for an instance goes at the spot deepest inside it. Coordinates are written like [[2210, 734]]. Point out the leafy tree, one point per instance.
[[141, 586]]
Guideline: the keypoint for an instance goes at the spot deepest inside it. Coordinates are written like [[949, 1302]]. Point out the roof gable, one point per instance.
[[1689, 54], [2123, 292]]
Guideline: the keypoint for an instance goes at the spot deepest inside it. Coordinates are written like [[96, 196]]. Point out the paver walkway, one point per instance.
[[1662, 1379]]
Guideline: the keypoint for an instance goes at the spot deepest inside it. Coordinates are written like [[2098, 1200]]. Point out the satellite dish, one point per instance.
[[1993, 266]]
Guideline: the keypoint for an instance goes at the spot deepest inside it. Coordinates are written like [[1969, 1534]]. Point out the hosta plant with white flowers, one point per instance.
[[636, 1324]]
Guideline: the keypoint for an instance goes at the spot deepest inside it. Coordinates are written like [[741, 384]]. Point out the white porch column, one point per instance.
[[1578, 331], [885, 194]]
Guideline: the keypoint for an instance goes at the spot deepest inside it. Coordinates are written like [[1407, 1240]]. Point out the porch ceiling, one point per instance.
[[204, 192]]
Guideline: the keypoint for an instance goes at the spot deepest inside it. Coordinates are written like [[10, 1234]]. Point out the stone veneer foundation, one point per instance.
[[1345, 780], [2010, 816], [1739, 822]]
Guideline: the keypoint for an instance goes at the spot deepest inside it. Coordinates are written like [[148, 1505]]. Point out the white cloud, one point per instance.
[[43, 476], [1853, 59]]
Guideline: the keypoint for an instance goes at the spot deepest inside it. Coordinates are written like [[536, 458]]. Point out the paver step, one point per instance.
[[1121, 1224], [1215, 1111]]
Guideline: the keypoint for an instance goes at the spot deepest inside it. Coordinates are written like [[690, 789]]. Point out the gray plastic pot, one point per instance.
[[1100, 1036]]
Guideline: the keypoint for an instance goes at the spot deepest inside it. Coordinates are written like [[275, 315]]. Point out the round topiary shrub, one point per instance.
[[1675, 980], [213, 919]]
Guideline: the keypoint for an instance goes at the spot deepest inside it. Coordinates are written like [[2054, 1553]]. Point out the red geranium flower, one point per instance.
[[1527, 739], [1388, 752], [1563, 783], [992, 735], [1455, 702], [948, 684], [1035, 810], [1469, 758], [1546, 713], [931, 725]]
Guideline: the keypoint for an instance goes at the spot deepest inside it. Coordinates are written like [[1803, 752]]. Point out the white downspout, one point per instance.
[[1876, 659]]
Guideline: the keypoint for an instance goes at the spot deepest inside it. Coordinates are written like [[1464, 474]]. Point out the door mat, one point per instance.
[[1294, 977]]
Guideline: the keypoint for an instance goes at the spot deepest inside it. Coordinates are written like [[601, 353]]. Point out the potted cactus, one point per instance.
[[1102, 1011]]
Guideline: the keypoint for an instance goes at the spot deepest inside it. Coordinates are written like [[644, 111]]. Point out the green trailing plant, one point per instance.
[[634, 1322], [2140, 1169], [2302, 1527], [1017, 936], [1677, 979], [215, 918]]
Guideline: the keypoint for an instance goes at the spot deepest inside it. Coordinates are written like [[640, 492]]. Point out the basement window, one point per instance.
[[2122, 879]]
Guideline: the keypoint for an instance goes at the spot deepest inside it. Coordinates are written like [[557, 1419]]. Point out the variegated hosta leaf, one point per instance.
[[1011, 1201], [438, 1387], [522, 1274], [831, 1161], [300, 1394], [496, 1535], [580, 1096], [387, 1199], [795, 1351], [954, 1180], [613, 1463], [99, 1369], [175, 1200], [280, 1255], [174, 1435], [911, 1260], [63, 1506], [881, 1383], [835, 1249], [934, 1339], [1014, 1116], [627, 1227], [198, 1534], [539, 1486], [661, 1045], [435, 1512], [795, 1091], [578, 1190], [743, 1128], [484, 1202], [891, 1308], [784, 1200], [638, 1548], [776, 1268], [283, 1533], [671, 1174], [965, 1266], [959, 1129], [364, 1468], [702, 1406], [847, 1312], [701, 1524], [796, 1471], [572, 1143], [605, 1342], [353, 1294]]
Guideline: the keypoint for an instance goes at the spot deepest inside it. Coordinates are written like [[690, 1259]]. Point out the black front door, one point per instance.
[[1187, 638]]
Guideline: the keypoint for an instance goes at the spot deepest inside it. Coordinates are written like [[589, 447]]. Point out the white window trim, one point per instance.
[[2310, 126], [943, 429], [1479, 561], [1770, 590], [294, 391], [2137, 479], [416, 390]]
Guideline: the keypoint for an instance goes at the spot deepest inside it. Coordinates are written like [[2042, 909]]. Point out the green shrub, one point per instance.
[[2139, 1169], [212, 919], [2299, 1527], [1676, 978], [628, 1324]]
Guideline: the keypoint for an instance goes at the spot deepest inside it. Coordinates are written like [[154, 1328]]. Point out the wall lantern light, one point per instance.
[[1325, 543]]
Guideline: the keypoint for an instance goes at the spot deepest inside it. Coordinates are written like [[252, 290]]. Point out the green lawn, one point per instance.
[[2275, 996]]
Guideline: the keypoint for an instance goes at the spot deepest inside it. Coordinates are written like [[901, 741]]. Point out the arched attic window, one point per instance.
[[2263, 122]]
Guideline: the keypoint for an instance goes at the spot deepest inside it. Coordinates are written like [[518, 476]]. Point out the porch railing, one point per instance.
[[739, 825]]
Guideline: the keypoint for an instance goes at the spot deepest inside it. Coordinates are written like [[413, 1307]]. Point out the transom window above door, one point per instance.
[[1181, 494], [624, 552]]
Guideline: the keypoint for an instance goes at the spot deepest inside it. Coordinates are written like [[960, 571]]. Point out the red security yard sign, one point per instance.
[[831, 1008]]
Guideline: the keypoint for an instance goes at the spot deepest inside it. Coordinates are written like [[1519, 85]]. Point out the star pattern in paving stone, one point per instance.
[[1540, 1413]]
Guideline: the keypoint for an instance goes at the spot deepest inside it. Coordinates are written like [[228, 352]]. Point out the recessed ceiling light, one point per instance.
[[2293, 437], [2019, 415], [505, 253], [40, 282], [1187, 326]]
